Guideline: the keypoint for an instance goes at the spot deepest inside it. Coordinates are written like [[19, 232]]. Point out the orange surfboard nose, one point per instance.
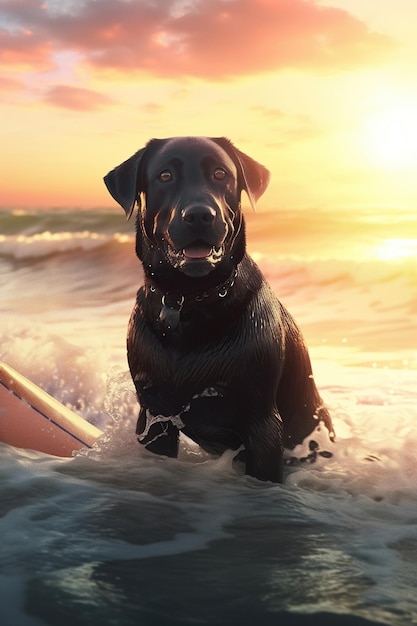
[[31, 418]]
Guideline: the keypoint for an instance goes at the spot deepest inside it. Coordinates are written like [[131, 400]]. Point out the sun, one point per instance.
[[397, 249], [390, 136]]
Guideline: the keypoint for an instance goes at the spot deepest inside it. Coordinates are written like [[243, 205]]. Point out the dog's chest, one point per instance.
[[201, 353]]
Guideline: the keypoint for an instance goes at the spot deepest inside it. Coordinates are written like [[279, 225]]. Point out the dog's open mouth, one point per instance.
[[196, 254], [197, 251]]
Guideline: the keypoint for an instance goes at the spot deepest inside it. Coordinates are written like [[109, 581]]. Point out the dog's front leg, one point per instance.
[[263, 448], [159, 434], [159, 419]]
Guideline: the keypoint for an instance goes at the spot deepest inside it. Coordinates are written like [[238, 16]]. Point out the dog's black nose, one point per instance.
[[198, 216]]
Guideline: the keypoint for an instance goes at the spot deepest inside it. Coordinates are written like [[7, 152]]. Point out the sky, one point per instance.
[[322, 92]]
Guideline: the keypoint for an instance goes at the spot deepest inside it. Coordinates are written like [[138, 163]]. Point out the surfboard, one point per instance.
[[31, 418]]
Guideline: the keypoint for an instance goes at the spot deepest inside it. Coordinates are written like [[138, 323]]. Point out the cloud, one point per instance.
[[213, 40], [76, 99], [289, 128], [152, 108], [10, 84], [22, 50], [270, 113]]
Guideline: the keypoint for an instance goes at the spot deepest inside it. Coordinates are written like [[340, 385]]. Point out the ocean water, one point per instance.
[[116, 535]]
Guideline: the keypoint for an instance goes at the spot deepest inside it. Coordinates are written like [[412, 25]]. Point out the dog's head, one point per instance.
[[190, 221]]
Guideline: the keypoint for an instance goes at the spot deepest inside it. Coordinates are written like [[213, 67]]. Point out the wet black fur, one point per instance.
[[235, 369]]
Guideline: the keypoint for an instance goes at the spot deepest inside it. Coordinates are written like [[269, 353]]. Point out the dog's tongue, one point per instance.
[[199, 251]]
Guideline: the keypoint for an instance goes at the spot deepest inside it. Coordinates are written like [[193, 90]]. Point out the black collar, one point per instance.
[[172, 302]]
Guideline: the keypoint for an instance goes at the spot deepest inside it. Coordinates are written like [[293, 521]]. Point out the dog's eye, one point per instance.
[[165, 176], [219, 173]]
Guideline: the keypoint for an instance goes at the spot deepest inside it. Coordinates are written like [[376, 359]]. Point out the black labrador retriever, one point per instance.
[[211, 350]]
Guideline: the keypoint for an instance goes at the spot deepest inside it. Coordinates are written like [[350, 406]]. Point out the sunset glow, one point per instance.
[[395, 249], [322, 92], [391, 136]]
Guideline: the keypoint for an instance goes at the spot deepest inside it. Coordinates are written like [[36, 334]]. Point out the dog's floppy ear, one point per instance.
[[255, 177], [122, 182]]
